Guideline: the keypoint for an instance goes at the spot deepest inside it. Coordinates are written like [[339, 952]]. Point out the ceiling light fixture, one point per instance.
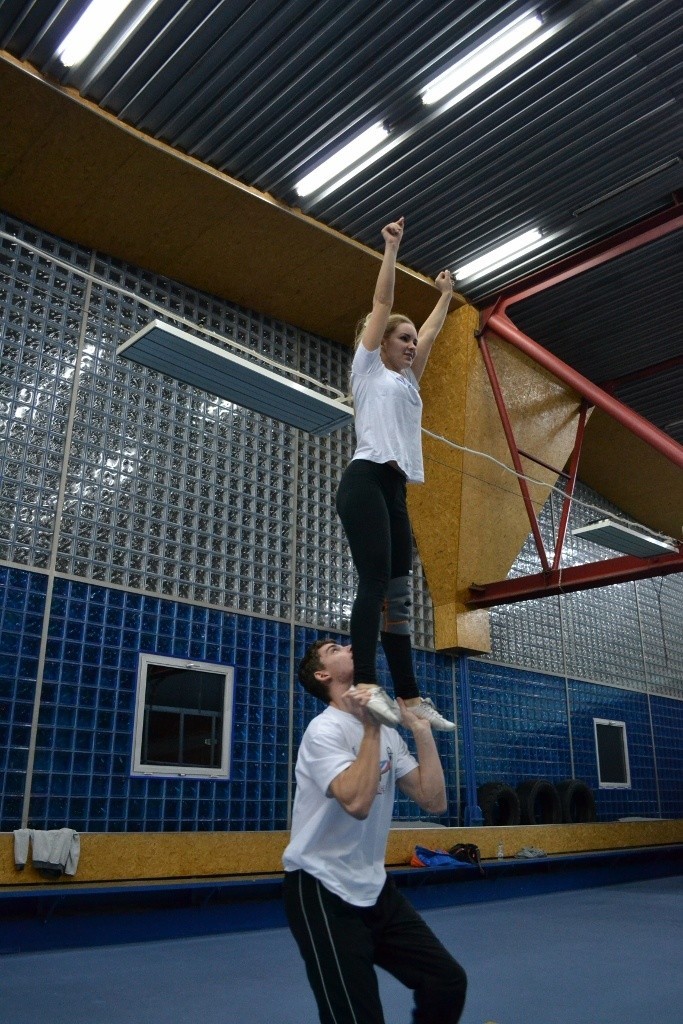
[[487, 56], [95, 21], [178, 354], [624, 539], [349, 154], [501, 255]]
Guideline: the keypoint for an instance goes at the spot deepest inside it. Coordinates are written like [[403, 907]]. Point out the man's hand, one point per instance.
[[355, 701], [411, 721]]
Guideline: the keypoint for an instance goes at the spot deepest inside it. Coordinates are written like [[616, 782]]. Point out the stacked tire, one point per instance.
[[539, 802], [577, 801], [499, 804], [536, 802]]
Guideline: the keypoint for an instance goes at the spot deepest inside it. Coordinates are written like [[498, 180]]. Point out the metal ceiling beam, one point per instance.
[[643, 232], [638, 425], [611, 571], [576, 577], [655, 370], [495, 318], [570, 484], [514, 451]]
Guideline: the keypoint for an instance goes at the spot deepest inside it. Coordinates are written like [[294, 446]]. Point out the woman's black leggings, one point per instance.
[[371, 502]]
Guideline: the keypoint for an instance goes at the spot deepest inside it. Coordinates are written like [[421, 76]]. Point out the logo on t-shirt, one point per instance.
[[384, 769]]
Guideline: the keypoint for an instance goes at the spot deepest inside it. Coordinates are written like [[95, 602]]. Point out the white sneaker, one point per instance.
[[425, 709], [383, 709]]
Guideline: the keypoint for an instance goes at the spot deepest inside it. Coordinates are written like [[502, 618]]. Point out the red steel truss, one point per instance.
[[595, 574]]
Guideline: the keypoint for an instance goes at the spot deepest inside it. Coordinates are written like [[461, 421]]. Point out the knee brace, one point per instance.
[[397, 605]]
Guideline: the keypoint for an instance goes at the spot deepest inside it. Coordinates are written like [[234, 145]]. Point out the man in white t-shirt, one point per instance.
[[346, 914]]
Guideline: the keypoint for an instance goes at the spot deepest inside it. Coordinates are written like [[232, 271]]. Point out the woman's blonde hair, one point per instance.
[[393, 321]]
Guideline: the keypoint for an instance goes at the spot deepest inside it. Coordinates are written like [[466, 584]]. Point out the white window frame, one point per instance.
[[177, 771], [622, 727]]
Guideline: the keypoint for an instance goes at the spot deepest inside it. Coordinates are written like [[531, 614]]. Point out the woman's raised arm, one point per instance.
[[434, 322], [383, 298]]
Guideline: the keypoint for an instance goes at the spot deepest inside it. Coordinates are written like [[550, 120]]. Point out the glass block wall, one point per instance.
[[139, 515]]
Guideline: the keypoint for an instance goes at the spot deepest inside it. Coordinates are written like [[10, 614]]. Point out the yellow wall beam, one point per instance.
[[131, 857], [72, 169], [469, 519]]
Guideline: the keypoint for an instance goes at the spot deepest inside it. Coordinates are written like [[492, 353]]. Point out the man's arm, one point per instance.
[[426, 784], [356, 787]]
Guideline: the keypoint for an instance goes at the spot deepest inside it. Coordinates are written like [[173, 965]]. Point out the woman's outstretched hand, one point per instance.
[[393, 233], [444, 282]]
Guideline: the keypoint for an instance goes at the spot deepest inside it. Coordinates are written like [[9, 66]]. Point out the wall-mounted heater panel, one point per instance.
[[194, 361], [623, 538]]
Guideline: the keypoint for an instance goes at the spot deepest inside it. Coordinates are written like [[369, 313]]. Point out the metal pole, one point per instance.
[[473, 815]]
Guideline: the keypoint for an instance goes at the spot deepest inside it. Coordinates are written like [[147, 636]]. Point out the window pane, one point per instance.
[[612, 762], [163, 737], [199, 748], [183, 717]]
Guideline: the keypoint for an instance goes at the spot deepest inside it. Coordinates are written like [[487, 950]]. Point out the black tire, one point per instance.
[[499, 804], [539, 802], [577, 801]]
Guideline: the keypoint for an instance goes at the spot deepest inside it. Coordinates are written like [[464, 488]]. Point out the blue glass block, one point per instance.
[[57, 810], [113, 619], [27, 668], [96, 614], [11, 643], [100, 785], [78, 611], [54, 650], [87, 696], [97, 810], [37, 811], [25, 690], [80, 785], [132, 620], [23, 712], [110, 654], [78, 813], [116, 811], [60, 784]]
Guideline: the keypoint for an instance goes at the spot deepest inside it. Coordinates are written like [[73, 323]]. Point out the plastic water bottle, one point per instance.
[[501, 851]]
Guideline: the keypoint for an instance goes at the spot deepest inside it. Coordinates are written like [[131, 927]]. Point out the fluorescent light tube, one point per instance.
[[96, 19], [343, 158], [176, 353], [501, 255], [625, 539], [481, 58]]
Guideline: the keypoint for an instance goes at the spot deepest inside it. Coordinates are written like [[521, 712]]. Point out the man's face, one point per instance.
[[337, 662]]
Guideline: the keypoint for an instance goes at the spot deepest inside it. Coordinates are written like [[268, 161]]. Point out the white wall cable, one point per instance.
[[169, 313], [543, 483]]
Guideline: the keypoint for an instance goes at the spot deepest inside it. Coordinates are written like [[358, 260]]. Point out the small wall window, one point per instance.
[[612, 754], [183, 718]]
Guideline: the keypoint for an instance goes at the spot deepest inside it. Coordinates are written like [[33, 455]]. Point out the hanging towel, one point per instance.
[[55, 851]]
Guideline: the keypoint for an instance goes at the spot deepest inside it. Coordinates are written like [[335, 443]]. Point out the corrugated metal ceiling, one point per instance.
[[580, 138]]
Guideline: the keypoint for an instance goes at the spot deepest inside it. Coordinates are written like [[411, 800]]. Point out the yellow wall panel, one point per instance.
[[469, 518]]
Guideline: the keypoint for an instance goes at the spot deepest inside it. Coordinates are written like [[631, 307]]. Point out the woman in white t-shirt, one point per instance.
[[390, 357]]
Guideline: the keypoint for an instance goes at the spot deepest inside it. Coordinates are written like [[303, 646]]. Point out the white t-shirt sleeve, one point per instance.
[[366, 361], [323, 756]]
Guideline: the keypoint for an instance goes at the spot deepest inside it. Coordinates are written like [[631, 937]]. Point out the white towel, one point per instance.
[[55, 851]]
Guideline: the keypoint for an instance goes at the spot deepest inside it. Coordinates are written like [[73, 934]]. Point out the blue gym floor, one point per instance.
[[607, 955]]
